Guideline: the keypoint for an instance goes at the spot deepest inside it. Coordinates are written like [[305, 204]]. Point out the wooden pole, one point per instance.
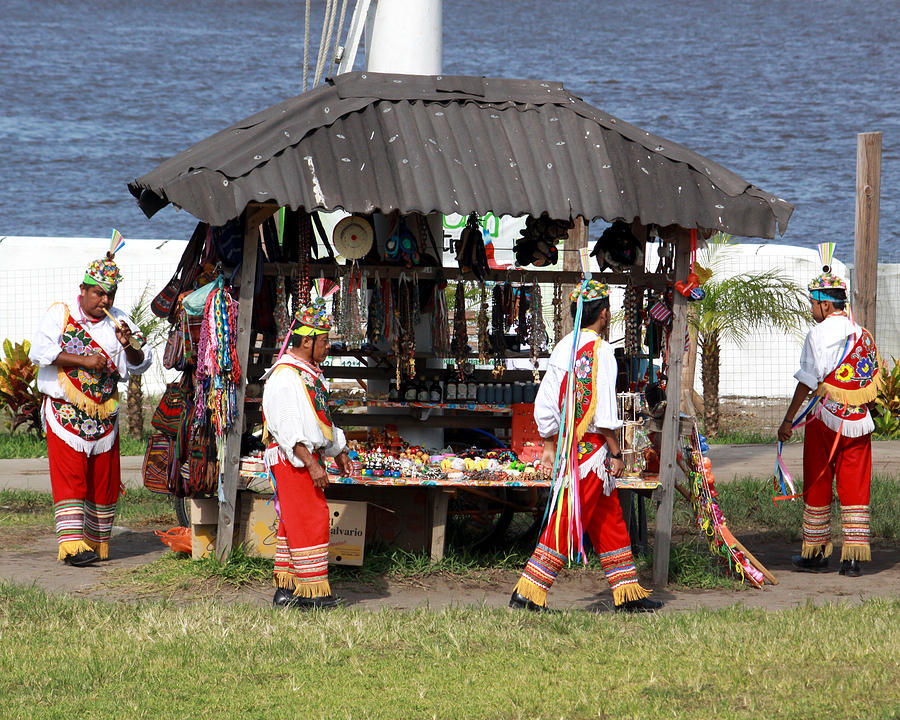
[[228, 487], [668, 468], [865, 255], [577, 239]]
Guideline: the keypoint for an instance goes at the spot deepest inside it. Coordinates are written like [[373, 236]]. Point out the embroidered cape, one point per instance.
[[94, 393], [587, 364], [855, 381]]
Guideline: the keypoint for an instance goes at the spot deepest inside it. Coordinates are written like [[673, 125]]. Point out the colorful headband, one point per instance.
[[593, 290], [312, 320], [105, 272], [827, 280]]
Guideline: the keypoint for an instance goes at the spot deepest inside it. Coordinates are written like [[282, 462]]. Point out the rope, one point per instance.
[[337, 37], [327, 29], [306, 48]]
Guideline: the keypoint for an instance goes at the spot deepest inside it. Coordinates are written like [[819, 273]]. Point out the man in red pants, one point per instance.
[[840, 364], [296, 412], [84, 349], [597, 420]]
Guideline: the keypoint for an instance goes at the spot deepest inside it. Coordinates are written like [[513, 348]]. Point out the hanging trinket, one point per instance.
[[536, 330], [459, 343], [303, 282], [406, 329], [440, 322], [353, 311], [633, 306], [498, 323], [484, 335], [375, 314], [557, 312]]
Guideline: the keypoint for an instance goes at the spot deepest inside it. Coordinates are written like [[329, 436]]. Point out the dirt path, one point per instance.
[[29, 558]]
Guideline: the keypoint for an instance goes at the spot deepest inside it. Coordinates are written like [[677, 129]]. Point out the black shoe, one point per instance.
[[642, 605], [85, 557], [850, 568], [817, 563], [285, 598], [520, 602]]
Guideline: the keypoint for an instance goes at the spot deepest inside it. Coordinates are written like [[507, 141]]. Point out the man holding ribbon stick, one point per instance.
[[295, 407], [840, 365], [577, 416], [83, 351]]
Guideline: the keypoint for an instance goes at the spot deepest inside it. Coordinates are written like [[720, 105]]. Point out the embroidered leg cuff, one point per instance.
[[622, 575], [539, 573], [855, 519], [72, 547], [816, 531]]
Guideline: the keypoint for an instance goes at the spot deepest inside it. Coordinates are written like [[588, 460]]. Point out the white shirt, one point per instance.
[[45, 347], [546, 404], [824, 348], [290, 416]]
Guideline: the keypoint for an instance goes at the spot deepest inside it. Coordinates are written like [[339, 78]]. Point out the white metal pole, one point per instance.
[[405, 37]]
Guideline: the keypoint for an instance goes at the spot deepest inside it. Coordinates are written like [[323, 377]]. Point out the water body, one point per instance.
[[97, 93]]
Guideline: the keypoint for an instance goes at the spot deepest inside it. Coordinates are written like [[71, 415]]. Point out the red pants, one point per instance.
[[830, 459], [301, 550], [603, 522], [85, 489]]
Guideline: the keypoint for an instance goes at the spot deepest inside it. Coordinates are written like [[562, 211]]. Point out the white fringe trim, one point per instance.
[[595, 464], [849, 428], [88, 447]]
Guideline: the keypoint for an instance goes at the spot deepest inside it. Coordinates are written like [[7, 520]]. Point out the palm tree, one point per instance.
[[732, 308], [152, 328]]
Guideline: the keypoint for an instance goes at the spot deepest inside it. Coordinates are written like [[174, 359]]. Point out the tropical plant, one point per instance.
[[887, 423], [19, 396], [731, 309], [153, 329]]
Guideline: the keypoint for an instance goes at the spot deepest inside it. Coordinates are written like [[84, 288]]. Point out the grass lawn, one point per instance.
[[66, 657], [29, 445]]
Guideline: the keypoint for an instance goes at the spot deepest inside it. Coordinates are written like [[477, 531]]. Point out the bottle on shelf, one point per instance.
[[411, 392], [423, 392], [434, 391], [451, 392]]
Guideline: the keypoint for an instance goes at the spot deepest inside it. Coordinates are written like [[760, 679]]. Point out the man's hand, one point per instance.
[[616, 467], [123, 334], [93, 362], [343, 462], [548, 457], [317, 474], [785, 431]]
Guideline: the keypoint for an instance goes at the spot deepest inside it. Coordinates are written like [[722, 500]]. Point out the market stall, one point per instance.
[[394, 151]]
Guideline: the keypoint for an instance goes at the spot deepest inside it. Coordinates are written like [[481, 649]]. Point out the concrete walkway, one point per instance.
[[728, 462]]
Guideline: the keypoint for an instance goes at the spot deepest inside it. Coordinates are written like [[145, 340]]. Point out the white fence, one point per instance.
[[35, 272]]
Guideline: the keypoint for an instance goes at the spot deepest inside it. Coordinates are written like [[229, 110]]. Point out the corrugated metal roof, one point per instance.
[[368, 141]]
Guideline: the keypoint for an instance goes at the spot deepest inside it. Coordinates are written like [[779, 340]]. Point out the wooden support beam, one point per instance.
[[229, 480], [439, 499], [668, 468], [865, 255]]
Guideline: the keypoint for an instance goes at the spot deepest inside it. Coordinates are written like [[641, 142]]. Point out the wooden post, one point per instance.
[[577, 239], [668, 467], [229, 481], [865, 256]]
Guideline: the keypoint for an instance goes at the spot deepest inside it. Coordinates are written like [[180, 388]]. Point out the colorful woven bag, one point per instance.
[[173, 406], [158, 460]]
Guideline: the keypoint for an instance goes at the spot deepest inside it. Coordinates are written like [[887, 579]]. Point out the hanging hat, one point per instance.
[[593, 290], [827, 281], [104, 272], [312, 319]]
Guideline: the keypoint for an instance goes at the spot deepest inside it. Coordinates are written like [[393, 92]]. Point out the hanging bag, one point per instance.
[[158, 459], [165, 302]]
